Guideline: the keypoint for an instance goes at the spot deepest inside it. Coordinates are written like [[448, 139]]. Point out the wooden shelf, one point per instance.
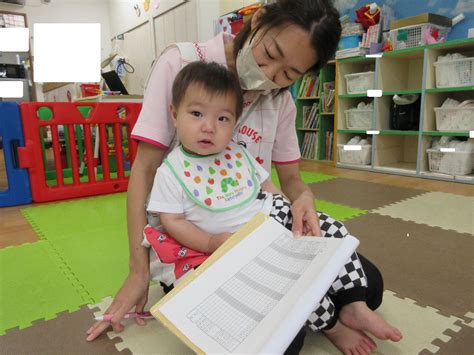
[[455, 89], [350, 96], [451, 134], [355, 131], [401, 92], [399, 133], [402, 72]]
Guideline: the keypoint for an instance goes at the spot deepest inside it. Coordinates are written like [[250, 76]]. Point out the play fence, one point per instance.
[[74, 149]]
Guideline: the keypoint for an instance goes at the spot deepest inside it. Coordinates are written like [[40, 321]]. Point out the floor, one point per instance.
[[15, 230], [412, 229]]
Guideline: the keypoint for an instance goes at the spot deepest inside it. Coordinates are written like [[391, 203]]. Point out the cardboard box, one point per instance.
[[421, 18]]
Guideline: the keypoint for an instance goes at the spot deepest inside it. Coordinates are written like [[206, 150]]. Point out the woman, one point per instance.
[[281, 42]]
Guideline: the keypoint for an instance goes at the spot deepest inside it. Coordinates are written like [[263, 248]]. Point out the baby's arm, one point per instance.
[[191, 236], [268, 186]]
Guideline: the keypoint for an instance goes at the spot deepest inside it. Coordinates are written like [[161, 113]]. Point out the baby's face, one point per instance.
[[205, 122]]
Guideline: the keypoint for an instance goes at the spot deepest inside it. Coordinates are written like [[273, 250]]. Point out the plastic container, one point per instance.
[[412, 36], [357, 157], [454, 119], [455, 72], [358, 118], [359, 83], [351, 41], [452, 163]]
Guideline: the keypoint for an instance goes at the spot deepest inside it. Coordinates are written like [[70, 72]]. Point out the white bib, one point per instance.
[[219, 182]]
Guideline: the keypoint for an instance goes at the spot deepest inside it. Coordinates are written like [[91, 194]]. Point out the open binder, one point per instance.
[[255, 292]]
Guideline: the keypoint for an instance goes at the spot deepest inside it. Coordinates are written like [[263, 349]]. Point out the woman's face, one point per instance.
[[284, 53]]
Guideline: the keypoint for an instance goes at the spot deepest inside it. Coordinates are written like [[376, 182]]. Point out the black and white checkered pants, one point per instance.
[[352, 275]]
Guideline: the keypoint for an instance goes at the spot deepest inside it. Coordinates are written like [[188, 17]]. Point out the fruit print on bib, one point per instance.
[[219, 182]]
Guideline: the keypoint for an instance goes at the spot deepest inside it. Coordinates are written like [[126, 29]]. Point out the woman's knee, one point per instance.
[[374, 283]]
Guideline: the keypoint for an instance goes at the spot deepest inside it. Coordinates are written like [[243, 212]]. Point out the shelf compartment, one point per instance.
[[397, 153], [401, 73], [354, 67], [346, 104], [466, 49], [435, 100]]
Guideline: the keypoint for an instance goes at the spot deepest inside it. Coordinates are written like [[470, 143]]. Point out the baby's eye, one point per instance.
[[196, 114], [224, 119]]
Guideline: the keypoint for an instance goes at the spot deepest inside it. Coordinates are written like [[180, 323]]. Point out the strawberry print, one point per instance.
[[260, 160], [217, 162], [208, 201], [210, 181], [187, 173], [228, 156]]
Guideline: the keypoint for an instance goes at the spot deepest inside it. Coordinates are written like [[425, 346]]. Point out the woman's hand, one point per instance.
[[134, 293], [305, 218]]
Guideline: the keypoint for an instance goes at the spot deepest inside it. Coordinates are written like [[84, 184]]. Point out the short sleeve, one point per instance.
[[286, 148], [154, 124], [166, 195]]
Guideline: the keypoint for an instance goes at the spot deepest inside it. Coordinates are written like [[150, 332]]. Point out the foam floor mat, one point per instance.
[[428, 264], [34, 285], [360, 194], [446, 211], [63, 335]]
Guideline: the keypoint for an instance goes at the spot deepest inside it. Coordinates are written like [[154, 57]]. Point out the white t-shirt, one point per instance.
[[216, 193], [268, 131]]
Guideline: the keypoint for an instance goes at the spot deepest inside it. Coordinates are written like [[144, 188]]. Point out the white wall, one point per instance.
[[147, 35], [67, 11]]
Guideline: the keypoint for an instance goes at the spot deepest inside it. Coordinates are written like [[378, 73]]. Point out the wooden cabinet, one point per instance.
[[407, 71]]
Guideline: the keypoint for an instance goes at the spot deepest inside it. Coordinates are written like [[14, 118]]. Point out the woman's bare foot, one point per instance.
[[350, 341], [358, 316]]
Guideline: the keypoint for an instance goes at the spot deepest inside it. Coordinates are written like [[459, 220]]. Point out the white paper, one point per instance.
[[257, 296]]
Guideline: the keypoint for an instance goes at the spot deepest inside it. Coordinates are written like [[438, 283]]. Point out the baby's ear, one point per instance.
[[174, 114]]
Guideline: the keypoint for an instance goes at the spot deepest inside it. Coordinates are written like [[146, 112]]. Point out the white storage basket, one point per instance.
[[455, 72], [452, 163], [358, 157], [454, 119], [412, 36], [359, 83], [359, 118]]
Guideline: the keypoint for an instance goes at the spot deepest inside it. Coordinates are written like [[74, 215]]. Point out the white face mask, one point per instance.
[[251, 77]]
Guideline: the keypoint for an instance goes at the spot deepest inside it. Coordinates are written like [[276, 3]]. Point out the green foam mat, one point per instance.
[[34, 285], [98, 259], [90, 234], [306, 176], [338, 212], [63, 219]]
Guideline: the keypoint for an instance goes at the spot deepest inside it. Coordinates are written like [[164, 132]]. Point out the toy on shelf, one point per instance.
[[368, 15]]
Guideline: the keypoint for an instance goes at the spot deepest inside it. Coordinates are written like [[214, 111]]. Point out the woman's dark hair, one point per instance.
[[318, 17], [213, 77]]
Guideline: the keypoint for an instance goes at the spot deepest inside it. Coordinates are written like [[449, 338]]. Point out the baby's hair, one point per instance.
[[213, 77]]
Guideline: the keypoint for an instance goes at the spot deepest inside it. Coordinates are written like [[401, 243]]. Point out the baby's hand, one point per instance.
[[217, 240]]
